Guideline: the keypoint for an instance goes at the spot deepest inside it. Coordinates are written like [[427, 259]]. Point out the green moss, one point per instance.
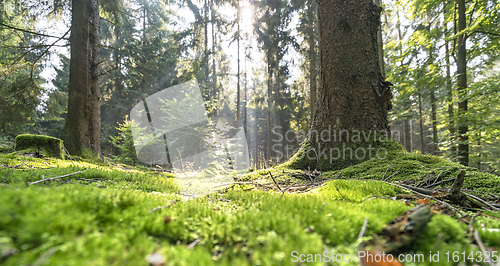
[[108, 221], [329, 156], [45, 145]]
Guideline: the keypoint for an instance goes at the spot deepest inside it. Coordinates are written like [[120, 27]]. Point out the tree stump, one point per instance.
[[39, 144]]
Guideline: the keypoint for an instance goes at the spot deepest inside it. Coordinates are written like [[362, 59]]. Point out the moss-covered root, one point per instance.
[[340, 151]]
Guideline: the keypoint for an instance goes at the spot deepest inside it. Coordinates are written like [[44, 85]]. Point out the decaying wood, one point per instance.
[[457, 186]]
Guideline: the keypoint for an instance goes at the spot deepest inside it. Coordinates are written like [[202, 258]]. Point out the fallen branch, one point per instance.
[[194, 243], [340, 193], [363, 229], [57, 177], [162, 207], [389, 177], [97, 180], [274, 180], [423, 195], [483, 249], [482, 201], [440, 182]]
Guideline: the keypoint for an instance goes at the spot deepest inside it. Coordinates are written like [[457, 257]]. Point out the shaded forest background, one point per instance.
[[256, 63]]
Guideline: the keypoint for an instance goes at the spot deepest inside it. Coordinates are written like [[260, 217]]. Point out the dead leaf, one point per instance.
[[423, 201]]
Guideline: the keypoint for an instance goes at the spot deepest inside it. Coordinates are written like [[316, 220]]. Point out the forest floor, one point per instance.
[[108, 214]]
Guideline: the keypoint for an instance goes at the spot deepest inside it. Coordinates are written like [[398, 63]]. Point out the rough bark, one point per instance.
[[81, 133], [435, 148], [312, 58], [353, 95], [463, 145]]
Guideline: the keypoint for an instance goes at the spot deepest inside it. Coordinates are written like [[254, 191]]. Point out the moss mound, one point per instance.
[[43, 145]]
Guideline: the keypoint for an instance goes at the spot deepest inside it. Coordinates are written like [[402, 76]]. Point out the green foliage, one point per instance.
[[124, 142]]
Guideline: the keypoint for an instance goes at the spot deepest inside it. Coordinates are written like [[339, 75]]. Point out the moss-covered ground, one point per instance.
[[108, 215]]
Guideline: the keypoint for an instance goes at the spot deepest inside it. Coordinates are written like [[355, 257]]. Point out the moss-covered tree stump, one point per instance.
[[43, 145]]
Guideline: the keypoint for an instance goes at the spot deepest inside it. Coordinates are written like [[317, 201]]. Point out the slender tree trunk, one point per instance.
[[435, 148], [463, 145], [478, 136], [421, 120], [406, 119], [81, 133], [238, 74], [312, 58], [269, 86], [205, 54], [214, 50], [449, 89]]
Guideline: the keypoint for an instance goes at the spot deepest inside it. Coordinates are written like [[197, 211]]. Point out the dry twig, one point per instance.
[[57, 177]]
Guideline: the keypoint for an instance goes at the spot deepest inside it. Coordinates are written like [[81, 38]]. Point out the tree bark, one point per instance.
[[463, 145], [82, 128], [312, 59], [353, 95]]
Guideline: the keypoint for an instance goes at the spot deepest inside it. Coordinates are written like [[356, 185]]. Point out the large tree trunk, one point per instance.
[[82, 129], [312, 59], [353, 95], [463, 145]]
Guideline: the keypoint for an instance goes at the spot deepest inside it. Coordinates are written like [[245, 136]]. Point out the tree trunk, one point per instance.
[[421, 121], [312, 59], [81, 133], [214, 53], [353, 96], [463, 145], [406, 120], [238, 108], [449, 89], [435, 148]]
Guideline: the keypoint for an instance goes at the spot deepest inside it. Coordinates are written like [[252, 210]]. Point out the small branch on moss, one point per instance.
[[193, 244], [383, 177], [482, 201], [440, 182], [363, 229], [437, 178], [26, 164], [416, 189], [483, 248], [491, 217], [423, 195], [162, 207], [340, 193], [389, 177], [57, 177], [471, 223], [376, 197], [274, 180], [97, 180]]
